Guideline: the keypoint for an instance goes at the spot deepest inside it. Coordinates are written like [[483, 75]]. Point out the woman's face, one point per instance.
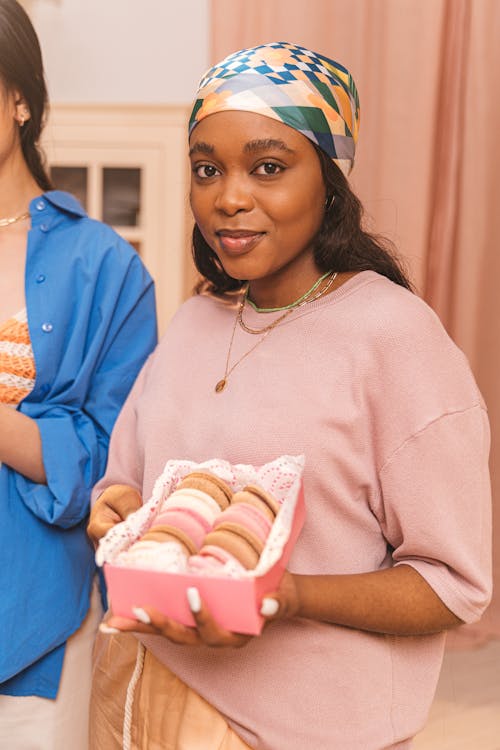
[[257, 195]]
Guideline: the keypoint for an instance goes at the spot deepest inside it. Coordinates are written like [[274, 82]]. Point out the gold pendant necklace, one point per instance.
[[14, 219], [221, 384]]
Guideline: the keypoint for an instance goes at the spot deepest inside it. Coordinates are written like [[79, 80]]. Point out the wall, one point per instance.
[[120, 51]]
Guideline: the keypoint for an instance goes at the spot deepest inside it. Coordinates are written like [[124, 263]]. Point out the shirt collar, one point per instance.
[[64, 201], [49, 209]]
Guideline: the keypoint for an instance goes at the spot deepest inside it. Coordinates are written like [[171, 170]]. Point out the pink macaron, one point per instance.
[[211, 558], [194, 500], [191, 523]]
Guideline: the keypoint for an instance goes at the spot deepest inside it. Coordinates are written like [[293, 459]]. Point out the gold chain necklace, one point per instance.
[[14, 219], [221, 384], [294, 306]]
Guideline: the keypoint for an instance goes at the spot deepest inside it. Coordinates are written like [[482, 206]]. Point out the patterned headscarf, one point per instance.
[[300, 88]]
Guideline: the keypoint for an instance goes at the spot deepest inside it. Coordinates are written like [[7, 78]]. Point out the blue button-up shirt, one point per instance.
[[92, 323]]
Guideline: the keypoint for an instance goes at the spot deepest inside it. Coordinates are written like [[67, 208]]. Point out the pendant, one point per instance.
[[220, 385]]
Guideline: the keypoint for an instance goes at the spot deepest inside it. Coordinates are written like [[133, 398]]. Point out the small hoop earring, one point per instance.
[[329, 203]]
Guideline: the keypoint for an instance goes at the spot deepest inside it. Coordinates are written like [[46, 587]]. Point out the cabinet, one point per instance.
[[128, 166]]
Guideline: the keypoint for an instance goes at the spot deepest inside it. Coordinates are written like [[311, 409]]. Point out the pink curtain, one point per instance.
[[428, 161]]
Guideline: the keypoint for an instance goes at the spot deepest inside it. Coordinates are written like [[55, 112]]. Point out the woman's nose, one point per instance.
[[234, 195]]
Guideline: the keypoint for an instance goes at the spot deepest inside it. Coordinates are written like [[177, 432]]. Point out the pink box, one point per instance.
[[234, 603]]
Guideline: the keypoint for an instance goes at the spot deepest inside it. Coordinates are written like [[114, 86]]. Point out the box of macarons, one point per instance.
[[228, 529]]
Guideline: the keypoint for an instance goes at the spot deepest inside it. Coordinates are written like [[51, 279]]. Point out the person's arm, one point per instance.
[[118, 492], [74, 430], [396, 601], [21, 445]]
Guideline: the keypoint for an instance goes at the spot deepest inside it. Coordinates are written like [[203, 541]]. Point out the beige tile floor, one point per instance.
[[465, 714]]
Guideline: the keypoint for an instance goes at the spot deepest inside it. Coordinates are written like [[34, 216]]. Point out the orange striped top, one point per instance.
[[17, 364]]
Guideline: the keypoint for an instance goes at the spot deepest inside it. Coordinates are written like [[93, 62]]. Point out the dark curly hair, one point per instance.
[[341, 243], [21, 69]]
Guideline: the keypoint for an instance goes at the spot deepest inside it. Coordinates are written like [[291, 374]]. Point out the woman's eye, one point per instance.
[[269, 168], [206, 170]]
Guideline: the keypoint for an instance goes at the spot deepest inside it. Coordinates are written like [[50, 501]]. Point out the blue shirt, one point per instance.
[[92, 323]]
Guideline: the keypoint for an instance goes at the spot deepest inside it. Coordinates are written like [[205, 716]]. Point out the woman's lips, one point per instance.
[[237, 243]]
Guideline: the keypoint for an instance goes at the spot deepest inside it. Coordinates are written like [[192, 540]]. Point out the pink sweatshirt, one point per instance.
[[368, 386]]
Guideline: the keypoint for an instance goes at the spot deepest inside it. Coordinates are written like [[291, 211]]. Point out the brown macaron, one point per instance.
[[209, 483], [236, 543], [265, 497], [250, 498], [166, 533]]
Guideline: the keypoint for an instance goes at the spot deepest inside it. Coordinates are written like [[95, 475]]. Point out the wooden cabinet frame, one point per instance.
[[154, 139]]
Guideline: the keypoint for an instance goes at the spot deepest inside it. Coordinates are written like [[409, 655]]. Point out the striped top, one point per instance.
[[17, 364]]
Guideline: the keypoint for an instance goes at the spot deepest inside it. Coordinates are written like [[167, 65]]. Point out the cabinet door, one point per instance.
[[125, 188], [129, 170]]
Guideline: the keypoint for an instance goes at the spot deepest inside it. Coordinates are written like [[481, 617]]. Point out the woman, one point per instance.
[[329, 354], [77, 321]]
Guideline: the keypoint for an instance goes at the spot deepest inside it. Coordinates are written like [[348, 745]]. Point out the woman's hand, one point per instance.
[[284, 603], [112, 507], [206, 633]]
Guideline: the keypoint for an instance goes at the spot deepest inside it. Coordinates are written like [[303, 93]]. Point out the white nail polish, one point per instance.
[[194, 599], [108, 629], [269, 607], [141, 615]]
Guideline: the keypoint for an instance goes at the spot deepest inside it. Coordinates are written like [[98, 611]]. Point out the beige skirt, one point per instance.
[[139, 704]]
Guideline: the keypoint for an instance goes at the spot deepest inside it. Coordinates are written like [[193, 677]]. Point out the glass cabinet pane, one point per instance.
[[72, 180], [121, 196]]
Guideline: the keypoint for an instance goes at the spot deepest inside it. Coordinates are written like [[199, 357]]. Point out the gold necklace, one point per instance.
[[14, 219], [221, 384], [294, 306]]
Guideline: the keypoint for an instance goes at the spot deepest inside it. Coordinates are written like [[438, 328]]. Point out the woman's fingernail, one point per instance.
[[269, 607], [194, 599], [108, 629], [141, 615]]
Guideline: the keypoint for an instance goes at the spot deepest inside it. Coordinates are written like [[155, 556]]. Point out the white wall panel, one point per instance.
[[122, 51]]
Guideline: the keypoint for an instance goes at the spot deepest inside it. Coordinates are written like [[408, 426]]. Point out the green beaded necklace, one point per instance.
[[292, 304]]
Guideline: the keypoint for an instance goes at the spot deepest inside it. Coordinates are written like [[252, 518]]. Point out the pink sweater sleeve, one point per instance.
[[126, 454], [436, 507]]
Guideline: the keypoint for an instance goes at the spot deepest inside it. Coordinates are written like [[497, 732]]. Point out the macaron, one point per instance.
[[209, 483], [195, 500], [210, 559], [248, 516], [142, 545], [239, 529], [239, 542], [150, 555], [258, 493], [189, 521], [167, 533]]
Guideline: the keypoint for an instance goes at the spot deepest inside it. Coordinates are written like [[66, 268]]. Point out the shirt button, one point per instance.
[[44, 227], [40, 205], [47, 327], [40, 278]]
